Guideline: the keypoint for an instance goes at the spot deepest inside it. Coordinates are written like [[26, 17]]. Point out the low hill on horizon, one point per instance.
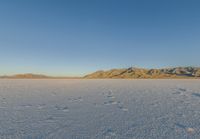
[[26, 75], [142, 73], [34, 76]]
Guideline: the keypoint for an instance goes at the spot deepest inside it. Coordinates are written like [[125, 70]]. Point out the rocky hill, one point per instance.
[[177, 72]]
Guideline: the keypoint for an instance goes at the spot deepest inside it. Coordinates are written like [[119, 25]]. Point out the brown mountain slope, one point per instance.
[[178, 72]]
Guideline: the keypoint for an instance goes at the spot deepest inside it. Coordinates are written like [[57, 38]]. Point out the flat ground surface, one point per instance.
[[100, 109]]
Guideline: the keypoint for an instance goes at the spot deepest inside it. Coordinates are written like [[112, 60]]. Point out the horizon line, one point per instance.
[[80, 76]]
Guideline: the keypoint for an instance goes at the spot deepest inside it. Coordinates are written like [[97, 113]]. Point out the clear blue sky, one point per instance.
[[75, 37]]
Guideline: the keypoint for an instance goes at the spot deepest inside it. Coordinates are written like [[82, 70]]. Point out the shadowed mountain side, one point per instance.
[[177, 72]]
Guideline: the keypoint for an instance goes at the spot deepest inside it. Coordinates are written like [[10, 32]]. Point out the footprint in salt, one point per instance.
[[106, 103], [3, 100], [50, 119], [41, 106], [108, 94], [189, 130], [111, 102], [176, 93], [77, 99], [121, 107], [125, 109], [196, 94], [182, 89], [180, 125], [109, 133], [53, 93], [111, 96], [154, 104], [64, 109], [80, 99], [26, 105]]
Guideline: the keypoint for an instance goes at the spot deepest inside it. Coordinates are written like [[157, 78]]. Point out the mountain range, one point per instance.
[[28, 75], [142, 73], [34, 76], [125, 73]]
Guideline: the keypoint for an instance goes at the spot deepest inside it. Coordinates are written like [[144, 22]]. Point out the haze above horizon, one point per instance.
[[73, 38]]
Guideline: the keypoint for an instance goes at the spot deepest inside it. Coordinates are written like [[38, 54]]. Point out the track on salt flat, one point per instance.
[[100, 109]]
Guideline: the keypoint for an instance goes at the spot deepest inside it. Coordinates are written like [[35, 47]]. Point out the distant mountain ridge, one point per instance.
[[125, 73], [26, 76], [34, 76], [137, 73]]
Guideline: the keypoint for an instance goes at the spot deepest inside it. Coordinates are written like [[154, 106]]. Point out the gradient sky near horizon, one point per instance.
[[76, 37]]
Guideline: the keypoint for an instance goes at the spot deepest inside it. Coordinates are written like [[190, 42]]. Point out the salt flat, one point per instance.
[[99, 109]]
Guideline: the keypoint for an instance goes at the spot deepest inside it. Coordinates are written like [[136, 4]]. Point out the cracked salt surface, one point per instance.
[[100, 109]]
